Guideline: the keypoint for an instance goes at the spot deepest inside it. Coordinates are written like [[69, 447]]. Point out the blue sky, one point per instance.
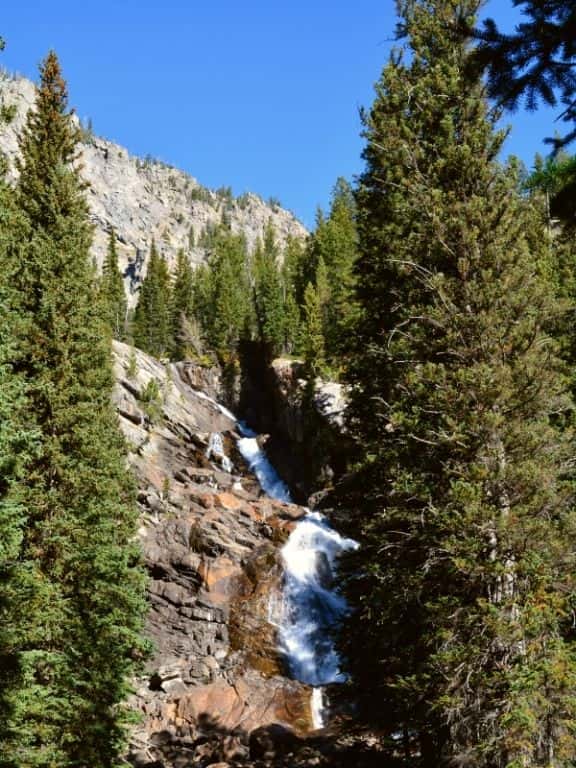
[[255, 95]]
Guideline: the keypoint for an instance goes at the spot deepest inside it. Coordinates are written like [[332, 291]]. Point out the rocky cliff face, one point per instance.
[[214, 692], [308, 443], [210, 542], [144, 199]]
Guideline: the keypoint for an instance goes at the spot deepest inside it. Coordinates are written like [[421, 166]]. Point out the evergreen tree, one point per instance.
[[323, 292], [313, 346], [295, 268], [202, 297], [221, 294], [334, 242], [292, 324], [182, 304], [112, 294], [293, 292], [16, 449], [73, 602], [555, 177], [231, 294], [459, 644], [152, 324], [268, 294], [537, 61]]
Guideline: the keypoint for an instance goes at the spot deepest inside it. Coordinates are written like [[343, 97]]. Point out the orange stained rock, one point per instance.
[[228, 501], [220, 578]]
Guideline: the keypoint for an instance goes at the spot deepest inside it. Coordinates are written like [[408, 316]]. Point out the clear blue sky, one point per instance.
[[261, 96]]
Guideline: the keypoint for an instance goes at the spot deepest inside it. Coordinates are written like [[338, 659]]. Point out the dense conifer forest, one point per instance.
[[439, 289]]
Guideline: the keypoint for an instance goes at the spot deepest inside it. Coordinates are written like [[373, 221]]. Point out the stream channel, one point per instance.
[[309, 605]]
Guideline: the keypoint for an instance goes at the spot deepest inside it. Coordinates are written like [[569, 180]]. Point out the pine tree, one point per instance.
[[268, 294], [17, 444], [459, 644], [231, 294], [536, 62], [152, 318], [324, 293], [182, 304], [293, 293], [112, 294], [75, 602], [313, 346], [295, 268], [202, 297], [221, 295], [334, 242]]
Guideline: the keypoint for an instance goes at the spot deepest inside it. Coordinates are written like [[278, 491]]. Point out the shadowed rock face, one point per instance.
[[147, 199], [210, 542], [308, 444]]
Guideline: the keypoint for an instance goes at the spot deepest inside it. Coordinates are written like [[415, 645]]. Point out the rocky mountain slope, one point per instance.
[[211, 546], [144, 199], [215, 691]]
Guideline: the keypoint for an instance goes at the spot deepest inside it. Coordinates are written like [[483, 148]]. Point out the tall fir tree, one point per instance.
[[313, 344], [74, 601], [112, 294], [459, 643], [291, 275], [222, 294], [334, 242], [182, 305], [152, 326], [269, 294], [16, 448]]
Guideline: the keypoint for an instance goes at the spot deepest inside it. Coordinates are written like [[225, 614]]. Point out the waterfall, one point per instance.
[[309, 605]]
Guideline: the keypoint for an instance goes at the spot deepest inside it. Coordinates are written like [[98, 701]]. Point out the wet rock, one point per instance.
[[210, 542], [248, 703]]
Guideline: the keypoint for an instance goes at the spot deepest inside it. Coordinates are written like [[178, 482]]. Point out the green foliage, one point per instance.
[[556, 178], [208, 236], [225, 194], [292, 275], [182, 305], [243, 201], [238, 296], [8, 112], [152, 324], [87, 131], [17, 446], [111, 292], [132, 368], [152, 400], [335, 243], [313, 346], [200, 194], [536, 62], [327, 263], [72, 600], [459, 640], [268, 294], [225, 294]]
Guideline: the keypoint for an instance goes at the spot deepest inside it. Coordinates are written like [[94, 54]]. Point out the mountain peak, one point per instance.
[[144, 199]]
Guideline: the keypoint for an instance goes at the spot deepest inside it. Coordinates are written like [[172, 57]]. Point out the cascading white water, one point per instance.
[[216, 449], [267, 476], [309, 605]]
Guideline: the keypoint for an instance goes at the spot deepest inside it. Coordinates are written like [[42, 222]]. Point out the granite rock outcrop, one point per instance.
[[144, 199], [210, 543]]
